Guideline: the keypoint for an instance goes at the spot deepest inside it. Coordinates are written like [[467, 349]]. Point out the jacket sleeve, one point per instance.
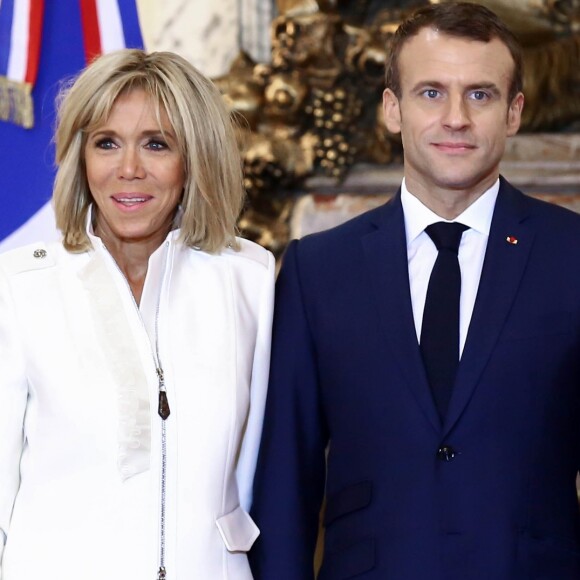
[[13, 397], [246, 466], [290, 475]]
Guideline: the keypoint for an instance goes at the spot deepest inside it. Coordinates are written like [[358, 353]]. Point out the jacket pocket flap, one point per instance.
[[349, 499], [237, 530], [350, 561]]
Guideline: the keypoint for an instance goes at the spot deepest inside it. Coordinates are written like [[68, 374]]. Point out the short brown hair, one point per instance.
[[213, 192], [458, 19]]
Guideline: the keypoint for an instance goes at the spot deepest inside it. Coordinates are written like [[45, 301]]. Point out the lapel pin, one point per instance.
[[512, 240]]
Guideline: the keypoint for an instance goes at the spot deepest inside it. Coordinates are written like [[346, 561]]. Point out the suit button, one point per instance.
[[446, 453]]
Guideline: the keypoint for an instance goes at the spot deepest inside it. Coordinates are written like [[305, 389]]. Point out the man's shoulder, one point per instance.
[[349, 231], [552, 210], [539, 204], [546, 214], [555, 222]]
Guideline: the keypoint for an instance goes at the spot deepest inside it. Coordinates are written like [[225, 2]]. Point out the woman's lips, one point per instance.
[[131, 200]]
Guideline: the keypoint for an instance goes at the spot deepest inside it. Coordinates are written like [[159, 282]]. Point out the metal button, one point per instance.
[[446, 453], [39, 253]]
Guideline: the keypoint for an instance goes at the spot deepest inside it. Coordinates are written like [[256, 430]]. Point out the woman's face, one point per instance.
[[134, 171]]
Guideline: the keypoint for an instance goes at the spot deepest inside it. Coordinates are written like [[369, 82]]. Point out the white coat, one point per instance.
[[80, 437]]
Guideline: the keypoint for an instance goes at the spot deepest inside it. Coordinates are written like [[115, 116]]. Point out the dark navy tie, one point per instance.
[[440, 327]]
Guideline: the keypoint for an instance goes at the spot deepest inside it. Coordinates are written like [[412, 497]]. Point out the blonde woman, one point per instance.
[[135, 353]]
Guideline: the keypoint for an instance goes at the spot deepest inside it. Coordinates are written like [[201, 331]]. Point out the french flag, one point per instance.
[[42, 44], [109, 25], [20, 38]]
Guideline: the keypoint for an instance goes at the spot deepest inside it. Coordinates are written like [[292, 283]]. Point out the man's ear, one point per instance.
[[515, 114], [391, 111]]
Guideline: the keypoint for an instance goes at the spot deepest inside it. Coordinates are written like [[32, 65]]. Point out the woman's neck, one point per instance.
[[132, 258]]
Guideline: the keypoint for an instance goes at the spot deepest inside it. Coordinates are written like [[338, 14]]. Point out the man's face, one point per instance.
[[453, 113]]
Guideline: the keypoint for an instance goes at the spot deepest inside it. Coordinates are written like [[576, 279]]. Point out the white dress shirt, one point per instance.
[[422, 253]]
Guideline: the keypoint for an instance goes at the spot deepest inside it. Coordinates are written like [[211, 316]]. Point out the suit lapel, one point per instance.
[[385, 250], [502, 272]]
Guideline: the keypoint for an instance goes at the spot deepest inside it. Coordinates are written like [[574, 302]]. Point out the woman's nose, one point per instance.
[[131, 165]]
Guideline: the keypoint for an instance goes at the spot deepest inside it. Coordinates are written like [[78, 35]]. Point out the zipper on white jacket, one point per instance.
[[163, 408], [164, 412]]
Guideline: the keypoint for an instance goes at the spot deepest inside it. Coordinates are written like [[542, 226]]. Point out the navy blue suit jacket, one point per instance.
[[347, 379]]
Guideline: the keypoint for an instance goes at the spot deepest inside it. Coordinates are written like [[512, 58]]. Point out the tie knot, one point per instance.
[[446, 235]]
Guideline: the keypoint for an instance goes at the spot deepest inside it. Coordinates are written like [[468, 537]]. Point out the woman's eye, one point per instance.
[[105, 143], [156, 145]]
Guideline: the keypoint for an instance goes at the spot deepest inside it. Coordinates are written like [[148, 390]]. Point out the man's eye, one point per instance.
[[431, 93], [479, 95]]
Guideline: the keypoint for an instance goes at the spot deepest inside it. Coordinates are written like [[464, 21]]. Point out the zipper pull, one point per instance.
[[163, 407], [161, 574]]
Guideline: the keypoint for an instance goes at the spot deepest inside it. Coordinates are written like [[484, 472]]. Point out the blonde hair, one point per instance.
[[213, 192]]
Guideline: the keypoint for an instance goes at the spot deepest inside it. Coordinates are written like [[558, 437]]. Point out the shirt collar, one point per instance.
[[476, 217]]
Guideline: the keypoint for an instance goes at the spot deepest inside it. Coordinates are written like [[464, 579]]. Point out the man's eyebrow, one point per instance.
[[484, 86], [427, 84], [491, 87]]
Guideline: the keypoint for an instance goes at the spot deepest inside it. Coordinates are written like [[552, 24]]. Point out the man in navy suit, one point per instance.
[[481, 487]]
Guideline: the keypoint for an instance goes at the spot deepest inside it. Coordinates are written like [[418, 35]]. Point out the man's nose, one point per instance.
[[456, 114]]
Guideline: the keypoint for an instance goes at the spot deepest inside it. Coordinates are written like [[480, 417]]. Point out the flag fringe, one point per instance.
[[16, 103]]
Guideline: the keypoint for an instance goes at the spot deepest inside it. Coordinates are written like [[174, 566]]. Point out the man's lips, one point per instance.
[[452, 147]]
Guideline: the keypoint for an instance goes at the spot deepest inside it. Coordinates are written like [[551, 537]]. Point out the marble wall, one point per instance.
[[209, 34]]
